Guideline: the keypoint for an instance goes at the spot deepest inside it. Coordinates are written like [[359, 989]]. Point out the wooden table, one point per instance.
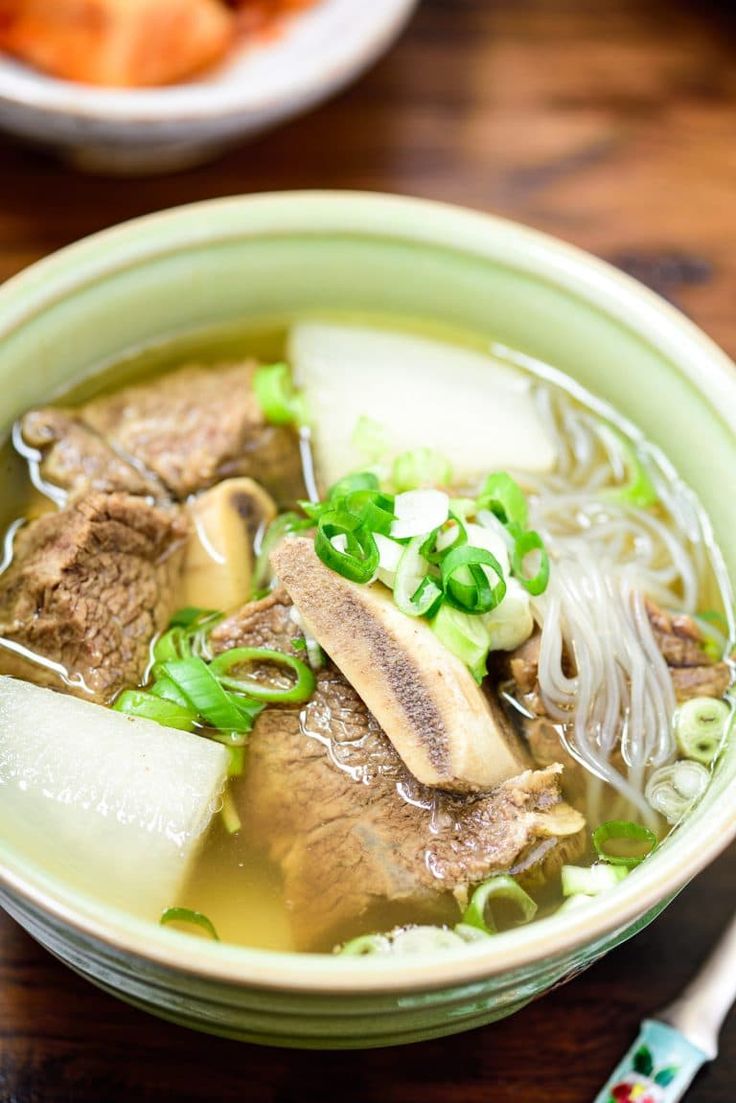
[[610, 123]]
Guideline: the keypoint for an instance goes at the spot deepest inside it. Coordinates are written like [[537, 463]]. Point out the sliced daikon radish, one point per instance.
[[113, 804], [471, 408]]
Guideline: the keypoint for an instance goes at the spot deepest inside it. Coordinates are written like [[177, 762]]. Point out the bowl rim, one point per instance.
[[353, 44], [425, 223]]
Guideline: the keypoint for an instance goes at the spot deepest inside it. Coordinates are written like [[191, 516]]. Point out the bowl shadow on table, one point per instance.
[[72, 1042]]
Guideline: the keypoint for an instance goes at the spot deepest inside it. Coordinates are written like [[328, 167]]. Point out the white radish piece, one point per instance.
[[471, 408], [113, 805]]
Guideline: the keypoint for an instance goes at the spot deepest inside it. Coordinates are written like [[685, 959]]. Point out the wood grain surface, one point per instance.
[[611, 123]]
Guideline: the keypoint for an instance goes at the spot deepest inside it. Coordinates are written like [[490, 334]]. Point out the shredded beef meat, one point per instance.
[[350, 827], [88, 589], [172, 436], [694, 672]]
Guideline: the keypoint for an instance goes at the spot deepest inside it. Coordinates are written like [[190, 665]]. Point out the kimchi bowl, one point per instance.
[[260, 82]]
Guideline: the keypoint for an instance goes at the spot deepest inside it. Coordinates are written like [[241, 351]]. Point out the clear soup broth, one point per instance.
[[609, 508]]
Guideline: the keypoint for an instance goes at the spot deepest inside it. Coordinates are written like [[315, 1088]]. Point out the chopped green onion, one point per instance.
[[503, 496], [191, 616], [627, 831], [174, 644], [164, 687], [375, 510], [699, 727], [360, 480], [716, 618], [638, 490], [359, 561], [286, 523], [477, 913], [299, 691], [477, 595], [236, 761], [280, 402], [591, 880], [524, 544], [364, 945], [205, 694], [415, 592], [672, 790], [139, 702], [429, 548], [231, 740], [466, 636], [421, 467], [187, 915], [229, 814]]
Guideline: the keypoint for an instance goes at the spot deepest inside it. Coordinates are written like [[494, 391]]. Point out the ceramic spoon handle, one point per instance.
[[661, 1064]]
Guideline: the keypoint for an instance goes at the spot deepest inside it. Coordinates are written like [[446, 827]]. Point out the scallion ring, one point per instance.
[[477, 914], [416, 593], [301, 690], [359, 561], [699, 727], [429, 548], [470, 590], [375, 509], [139, 702], [280, 402], [625, 831], [503, 496], [524, 544], [205, 694], [188, 915]]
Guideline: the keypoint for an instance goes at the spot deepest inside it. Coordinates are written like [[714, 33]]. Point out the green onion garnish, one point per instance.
[[279, 527], [205, 694], [174, 644], [627, 832], [470, 590], [360, 480], [477, 914], [236, 761], [591, 880], [699, 727], [419, 468], [300, 691], [503, 496], [375, 510], [415, 592], [164, 687], [229, 814], [139, 702], [359, 561], [191, 617], [466, 636], [187, 915], [429, 547], [638, 490], [280, 402], [525, 543]]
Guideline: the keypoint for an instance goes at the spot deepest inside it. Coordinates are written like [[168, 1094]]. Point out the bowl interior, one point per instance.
[[227, 261]]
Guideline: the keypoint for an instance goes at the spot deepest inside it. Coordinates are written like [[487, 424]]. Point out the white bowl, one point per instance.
[[162, 129]]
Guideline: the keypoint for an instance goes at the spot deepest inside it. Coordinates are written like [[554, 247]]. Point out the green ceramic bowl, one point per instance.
[[217, 262]]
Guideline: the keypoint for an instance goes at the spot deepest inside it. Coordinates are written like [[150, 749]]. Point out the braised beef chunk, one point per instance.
[[349, 825], [181, 432], [76, 459], [87, 590]]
